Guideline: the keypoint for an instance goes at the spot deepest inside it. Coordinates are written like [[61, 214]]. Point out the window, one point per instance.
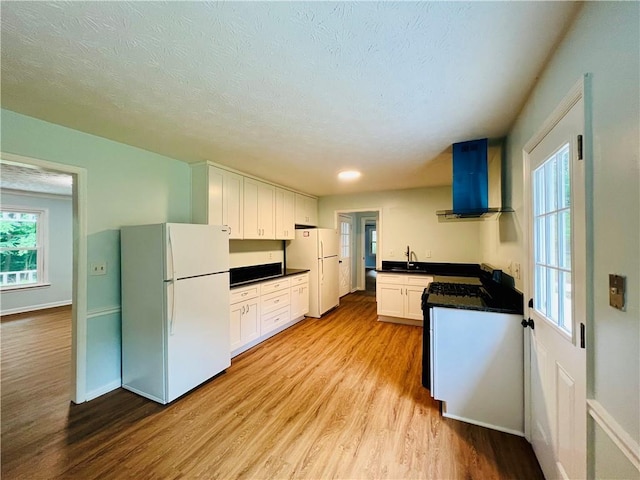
[[345, 239], [373, 247], [21, 247], [552, 239]]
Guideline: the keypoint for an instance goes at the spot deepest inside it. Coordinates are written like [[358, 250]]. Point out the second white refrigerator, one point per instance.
[[316, 249]]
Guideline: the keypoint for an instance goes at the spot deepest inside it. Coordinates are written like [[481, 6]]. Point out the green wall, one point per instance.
[[604, 41], [125, 186]]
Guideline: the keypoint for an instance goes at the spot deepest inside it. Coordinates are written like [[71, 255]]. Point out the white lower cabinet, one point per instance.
[[299, 295], [245, 325], [399, 297], [260, 310]]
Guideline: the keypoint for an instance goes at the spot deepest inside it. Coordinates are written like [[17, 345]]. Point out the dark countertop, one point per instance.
[[473, 303], [431, 268], [287, 273]]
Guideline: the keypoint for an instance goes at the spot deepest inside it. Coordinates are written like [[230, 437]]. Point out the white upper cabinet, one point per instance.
[[285, 211], [216, 198], [252, 209], [259, 209], [306, 211]]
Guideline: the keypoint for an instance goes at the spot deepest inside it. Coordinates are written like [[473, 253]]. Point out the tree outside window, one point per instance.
[[21, 247]]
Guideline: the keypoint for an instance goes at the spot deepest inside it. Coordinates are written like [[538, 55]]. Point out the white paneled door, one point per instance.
[[557, 287], [346, 254]]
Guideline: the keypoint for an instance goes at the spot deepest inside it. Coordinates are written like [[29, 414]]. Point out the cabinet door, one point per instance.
[[312, 211], [232, 200], [285, 211], [304, 299], [306, 210], [250, 326], [266, 210], [250, 214], [299, 300], [259, 199], [390, 300], [236, 325], [413, 302]]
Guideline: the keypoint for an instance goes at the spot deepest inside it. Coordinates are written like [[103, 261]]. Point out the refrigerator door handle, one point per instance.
[[321, 249], [173, 271], [171, 286]]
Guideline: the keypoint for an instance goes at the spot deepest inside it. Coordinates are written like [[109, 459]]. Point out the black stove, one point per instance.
[[458, 295]]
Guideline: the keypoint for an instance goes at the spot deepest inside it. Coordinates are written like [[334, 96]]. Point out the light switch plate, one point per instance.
[[617, 285]]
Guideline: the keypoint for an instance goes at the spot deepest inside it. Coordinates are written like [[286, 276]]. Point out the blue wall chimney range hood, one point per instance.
[[471, 182]]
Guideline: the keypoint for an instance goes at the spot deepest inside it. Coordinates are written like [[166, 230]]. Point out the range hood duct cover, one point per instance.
[[471, 182]]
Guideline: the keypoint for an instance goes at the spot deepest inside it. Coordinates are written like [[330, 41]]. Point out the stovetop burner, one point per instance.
[[456, 289]]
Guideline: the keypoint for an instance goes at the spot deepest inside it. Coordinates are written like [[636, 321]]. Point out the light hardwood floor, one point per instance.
[[337, 397]]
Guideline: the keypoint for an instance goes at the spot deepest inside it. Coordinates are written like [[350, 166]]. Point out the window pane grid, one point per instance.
[[20, 248], [552, 239]]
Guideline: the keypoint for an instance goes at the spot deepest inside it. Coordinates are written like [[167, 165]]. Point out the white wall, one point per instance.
[[605, 42], [409, 218], [59, 255], [254, 252]]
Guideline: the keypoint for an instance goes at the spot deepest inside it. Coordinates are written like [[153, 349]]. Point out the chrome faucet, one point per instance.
[[408, 254]]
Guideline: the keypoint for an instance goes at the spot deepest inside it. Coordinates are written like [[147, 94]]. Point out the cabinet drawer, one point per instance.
[[274, 320], [244, 293], [299, 279], [274, 286], [419, 280], [269, 303], [391, 278]]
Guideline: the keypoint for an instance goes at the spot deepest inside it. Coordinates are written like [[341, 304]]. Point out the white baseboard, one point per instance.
[[621, 439], [103, 389], [484, 424], [33, 308]]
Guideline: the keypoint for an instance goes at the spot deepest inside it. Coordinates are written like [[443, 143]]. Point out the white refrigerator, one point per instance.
[[175, 307], [316, 249]]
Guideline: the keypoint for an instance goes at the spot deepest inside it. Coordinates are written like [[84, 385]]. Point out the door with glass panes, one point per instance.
[[557, 288]]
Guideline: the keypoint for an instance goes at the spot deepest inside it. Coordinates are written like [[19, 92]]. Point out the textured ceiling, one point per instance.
[[16, 177], [289, 91]]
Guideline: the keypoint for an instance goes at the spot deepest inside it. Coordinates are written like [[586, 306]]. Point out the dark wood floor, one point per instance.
[[337, 397]]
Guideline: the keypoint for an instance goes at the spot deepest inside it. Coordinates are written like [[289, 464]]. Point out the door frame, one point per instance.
[[575, 94], [79, 281], [349, 219], [363, 246], [377, 210]]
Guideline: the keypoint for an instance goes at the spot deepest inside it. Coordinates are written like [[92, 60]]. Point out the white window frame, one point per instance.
[[42, 247]]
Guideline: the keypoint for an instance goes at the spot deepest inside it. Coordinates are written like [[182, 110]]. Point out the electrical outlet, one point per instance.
[[516, 270], [427, 254], [391, 253], [270, 255], [98, 268]]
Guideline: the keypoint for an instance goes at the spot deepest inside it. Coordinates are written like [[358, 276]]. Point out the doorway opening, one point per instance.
[[366, 242], [79, 268]]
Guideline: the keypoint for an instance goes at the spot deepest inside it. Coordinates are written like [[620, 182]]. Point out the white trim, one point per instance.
[[27, 193], [627, 445], [79, 287], [482, 424], [377, 210], [33, 308], [103, 389], [567, 103], [21, 288], [100, 312]]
